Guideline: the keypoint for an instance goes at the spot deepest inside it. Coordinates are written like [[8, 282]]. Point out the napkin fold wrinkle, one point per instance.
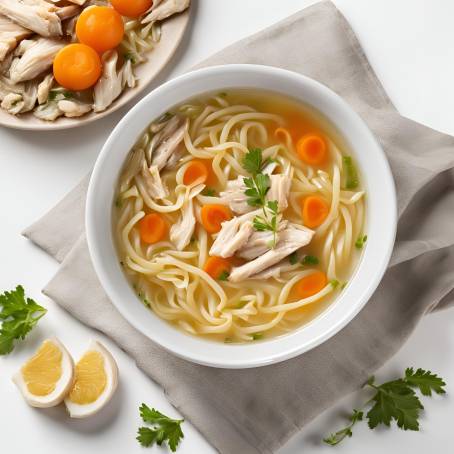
[[255, 411]]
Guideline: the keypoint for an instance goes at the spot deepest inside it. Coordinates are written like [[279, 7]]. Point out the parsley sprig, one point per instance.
[[18, 316], [394, 400], [257, 188], [164, 429]]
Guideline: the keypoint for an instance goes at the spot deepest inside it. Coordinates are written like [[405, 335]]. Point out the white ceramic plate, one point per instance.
[[381, 215], [173, 30]]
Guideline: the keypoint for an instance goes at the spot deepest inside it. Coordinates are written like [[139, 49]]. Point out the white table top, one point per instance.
[[409, 44]]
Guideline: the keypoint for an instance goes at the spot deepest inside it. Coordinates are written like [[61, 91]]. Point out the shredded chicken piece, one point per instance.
[[155, 187], [36, 15], [165, 9], [133, 166], [279, 190], [170, 138], [35, 60], [18, 98], [236, 198], [233, 236], [44, 88], [259, 242], [67, 12], [275, 271], [181, 232], [291, 239], [10, 35], [111, 83], [48, 111], [13, 103], [73, 109]]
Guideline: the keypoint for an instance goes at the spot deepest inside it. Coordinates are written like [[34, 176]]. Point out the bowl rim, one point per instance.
[[332, 319]]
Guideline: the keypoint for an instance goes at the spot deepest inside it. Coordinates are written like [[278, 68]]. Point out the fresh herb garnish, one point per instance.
[[257, 336], [257, 188], [293, 258], [359, 244], [310, 260], [130, 56], [352, 180], [164, 429], [224, 276], [228, 340], [344, 285], [57, 95], [394, 400], [209, 192], [118, 202], [18, 316], [334, 283]]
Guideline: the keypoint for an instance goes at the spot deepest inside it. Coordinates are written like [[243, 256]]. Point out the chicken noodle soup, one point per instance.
[[237, 215]]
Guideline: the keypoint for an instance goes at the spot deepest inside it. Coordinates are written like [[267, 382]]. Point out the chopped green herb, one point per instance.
[[359, 244], [252, 162], [228, 340], [352, 180], [334, 283], [269, 222], [224, 276], [146, 302], [118, 202], [209, 192], [130, 56], [257, 336], [240, 305], [164, 429], [293, 258], [310, 260], [394, 400], [18, 316], [344, 285]]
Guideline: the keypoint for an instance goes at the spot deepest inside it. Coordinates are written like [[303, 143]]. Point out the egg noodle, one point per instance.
[[173, 283]]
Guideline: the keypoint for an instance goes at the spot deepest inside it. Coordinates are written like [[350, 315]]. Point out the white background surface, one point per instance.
[[409, 43]]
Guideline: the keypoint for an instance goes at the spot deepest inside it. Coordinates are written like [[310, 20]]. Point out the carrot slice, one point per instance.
[[311, 284], [213, 216], [217, 267], [197, 170], [153, 228], [315, 209], [312, 149]]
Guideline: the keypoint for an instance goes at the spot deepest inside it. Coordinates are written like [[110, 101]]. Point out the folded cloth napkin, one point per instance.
[[257, 410]]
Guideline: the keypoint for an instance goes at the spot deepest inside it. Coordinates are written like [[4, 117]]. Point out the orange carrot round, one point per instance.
[[216, 267], [311, 284], [153, 228], [315, 209], [312, 149], [197, 170], [213, 216]]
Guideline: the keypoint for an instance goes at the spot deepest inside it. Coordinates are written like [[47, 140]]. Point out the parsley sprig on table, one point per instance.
[[164, 429], [18, 316], [257, 188], [394, 400]]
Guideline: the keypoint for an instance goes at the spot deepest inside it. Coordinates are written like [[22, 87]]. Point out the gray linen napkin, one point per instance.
[[256, 411]]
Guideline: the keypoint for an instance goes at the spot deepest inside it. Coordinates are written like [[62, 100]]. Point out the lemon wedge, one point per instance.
[[96, 378], [45, 379]]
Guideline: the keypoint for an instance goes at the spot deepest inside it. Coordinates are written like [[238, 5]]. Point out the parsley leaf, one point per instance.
[[269, 221], [352, 180], [257, 336], [164, 429], [293, 258], [18, 315], [334, 283], [394, 400], [359, 244], [252, 162], [425, 381], [310, 260], [224, 276], [209, 192]]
